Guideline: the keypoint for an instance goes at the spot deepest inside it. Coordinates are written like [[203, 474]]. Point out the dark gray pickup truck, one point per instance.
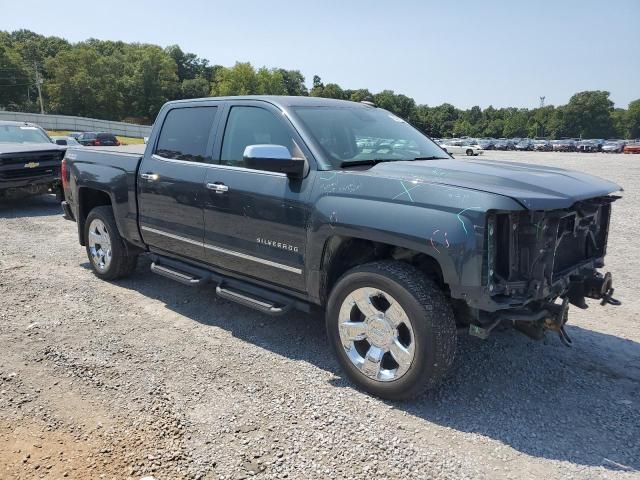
[[298, 202], [29, 160]]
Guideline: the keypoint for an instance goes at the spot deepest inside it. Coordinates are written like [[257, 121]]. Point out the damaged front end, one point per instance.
[[539, 262]]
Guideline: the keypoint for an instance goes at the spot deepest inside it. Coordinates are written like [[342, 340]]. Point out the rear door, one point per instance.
[[171, 191], [254, 219]]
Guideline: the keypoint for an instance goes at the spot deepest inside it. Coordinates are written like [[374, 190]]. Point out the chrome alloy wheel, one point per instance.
[[376, 334], [100, 245]]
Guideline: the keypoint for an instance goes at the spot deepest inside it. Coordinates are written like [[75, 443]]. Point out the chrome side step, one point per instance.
[[246, 299], [178, 276], [253, 296]]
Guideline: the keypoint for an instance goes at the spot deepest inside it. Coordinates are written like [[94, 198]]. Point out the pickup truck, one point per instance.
[[342, 207], [29, 160]]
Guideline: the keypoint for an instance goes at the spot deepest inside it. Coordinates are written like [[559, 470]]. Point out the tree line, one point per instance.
[[130, 81]]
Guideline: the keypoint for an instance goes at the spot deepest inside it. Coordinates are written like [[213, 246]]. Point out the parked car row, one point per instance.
[[475, 146]]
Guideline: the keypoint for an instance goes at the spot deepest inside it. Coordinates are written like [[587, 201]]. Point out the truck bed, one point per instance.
[[111, 172]]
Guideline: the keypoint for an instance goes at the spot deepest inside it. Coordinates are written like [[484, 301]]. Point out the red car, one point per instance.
[[632, 148]]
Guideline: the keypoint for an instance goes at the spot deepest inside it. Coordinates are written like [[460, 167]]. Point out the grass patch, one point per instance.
[[121, 139]]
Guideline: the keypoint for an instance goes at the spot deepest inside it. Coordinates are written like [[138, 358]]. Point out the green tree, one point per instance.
[[333, 90], [360, 95], [293, 82], [240, 79], [194, 88], [16, 79], [270, 82], [588, 114], [151, 80], [317, 88], [633, 120], [86, 84]]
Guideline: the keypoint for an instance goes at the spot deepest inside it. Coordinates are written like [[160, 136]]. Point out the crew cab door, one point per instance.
[[254, 219], [171, 191]]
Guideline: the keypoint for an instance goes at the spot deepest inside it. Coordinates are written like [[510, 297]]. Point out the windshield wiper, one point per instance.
[[432, 157], [369, 161]]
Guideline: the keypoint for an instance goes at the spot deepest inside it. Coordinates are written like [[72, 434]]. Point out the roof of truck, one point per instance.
[[283, 100]]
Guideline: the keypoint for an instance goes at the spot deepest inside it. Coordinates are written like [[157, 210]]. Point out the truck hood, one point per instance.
[[535, 187], [9, 148]]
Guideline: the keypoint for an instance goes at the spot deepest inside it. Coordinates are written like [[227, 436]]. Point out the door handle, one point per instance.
[[149, 176], [218, 187]]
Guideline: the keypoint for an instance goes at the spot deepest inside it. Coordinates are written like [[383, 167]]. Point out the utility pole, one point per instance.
[[541, 133], [39, 82]]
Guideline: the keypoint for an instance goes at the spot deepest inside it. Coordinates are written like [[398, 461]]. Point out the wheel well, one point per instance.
[[343, 253], [87, 201]]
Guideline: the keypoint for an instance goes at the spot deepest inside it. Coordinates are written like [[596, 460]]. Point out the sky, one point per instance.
[[500, 53]]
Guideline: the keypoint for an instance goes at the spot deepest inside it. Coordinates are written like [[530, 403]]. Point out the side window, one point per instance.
[[251, 126], [185, 133]]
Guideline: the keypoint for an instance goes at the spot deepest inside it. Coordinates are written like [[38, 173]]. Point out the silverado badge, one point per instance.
[[31, 165]]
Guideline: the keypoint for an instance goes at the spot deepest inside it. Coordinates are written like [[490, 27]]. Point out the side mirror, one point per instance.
[[273, 158], [61, 141]]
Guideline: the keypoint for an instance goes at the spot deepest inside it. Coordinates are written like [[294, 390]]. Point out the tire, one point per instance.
[[469, 152], [430, 337], [117, 262]]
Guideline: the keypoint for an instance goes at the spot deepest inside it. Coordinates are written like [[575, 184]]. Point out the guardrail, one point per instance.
[[78, 124]]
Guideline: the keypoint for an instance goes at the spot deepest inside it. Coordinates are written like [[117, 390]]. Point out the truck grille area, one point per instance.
[[21, 166], [533, 254]]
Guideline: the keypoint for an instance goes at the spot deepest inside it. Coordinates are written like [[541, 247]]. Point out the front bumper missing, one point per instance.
[[534, 322]]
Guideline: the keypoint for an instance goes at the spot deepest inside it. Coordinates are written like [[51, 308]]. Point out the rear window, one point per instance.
[[185, 134], [106, 136]]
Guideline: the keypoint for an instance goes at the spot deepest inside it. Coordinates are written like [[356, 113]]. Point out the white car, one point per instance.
[[66, 140], [465, 148]]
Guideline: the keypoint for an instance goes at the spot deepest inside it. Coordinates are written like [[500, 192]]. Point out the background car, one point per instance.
[[485, 143], [461, 147], [66, 140], [524, 145], [632, 148], [500, 144], [613, 146], [564, 145], [542, 145], [98, 139]]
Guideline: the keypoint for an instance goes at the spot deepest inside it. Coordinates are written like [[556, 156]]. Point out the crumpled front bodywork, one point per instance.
[[454, 212]]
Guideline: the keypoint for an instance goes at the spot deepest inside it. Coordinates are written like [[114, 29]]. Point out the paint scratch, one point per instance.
[[462, 221], [406, 191]]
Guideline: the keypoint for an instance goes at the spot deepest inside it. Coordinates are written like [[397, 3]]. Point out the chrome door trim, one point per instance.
[[225, 251], [171, 235]]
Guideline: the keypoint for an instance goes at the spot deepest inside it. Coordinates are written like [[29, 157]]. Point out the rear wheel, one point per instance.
[[106, 249], [392, 328], [469, 152]]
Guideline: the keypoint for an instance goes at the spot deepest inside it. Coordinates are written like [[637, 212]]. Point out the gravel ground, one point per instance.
[[147, 377]]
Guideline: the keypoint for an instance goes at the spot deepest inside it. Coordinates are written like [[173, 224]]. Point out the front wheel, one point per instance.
[[106, 249], [469, 152], [392, 328]]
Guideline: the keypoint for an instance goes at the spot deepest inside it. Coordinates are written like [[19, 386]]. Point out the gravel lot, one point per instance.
[[147, 377]]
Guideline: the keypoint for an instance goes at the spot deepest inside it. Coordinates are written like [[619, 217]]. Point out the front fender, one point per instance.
[[451, 231]]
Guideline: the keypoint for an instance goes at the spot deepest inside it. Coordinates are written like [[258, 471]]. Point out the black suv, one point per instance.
[[98, 139]]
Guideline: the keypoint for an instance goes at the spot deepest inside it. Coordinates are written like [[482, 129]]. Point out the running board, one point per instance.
[[250, 295], [179, 276], [248, 300]]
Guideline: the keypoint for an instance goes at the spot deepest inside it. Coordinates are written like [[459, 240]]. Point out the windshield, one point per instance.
[[356, 134], [22, 134]]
